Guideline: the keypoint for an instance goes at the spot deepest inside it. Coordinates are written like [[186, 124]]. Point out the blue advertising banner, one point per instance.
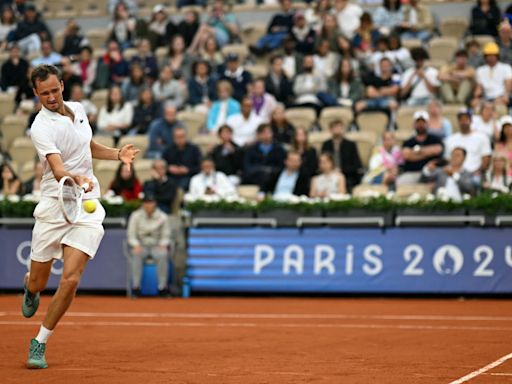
[[106, 271], [338, 260]]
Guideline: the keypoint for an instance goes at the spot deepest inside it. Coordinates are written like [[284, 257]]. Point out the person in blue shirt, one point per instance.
[[161, 132], [224, 107], [291, 181]]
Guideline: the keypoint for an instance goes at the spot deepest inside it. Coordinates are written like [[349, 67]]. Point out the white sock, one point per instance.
[[43, 335]]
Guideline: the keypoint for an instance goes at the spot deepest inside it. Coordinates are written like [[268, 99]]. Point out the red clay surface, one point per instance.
[[248, 340]]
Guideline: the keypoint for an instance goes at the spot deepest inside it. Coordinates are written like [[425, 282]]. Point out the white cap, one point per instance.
[[158, 8], [420, 115], [505, 120]]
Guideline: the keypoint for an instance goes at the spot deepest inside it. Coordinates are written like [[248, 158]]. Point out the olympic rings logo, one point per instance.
[[23, 255]]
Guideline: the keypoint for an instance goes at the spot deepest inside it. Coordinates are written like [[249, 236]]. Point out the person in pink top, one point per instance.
[[384, 163], [504, 145]]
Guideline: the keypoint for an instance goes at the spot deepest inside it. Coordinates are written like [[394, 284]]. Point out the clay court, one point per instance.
[[264, 340]]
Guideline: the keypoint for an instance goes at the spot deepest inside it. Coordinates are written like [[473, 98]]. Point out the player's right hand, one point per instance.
[[81, 180]]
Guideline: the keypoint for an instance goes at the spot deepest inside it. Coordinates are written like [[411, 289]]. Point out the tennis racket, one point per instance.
[[70, 198]]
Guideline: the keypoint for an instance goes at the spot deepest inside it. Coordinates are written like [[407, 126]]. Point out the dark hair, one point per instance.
[[262, 127], [385, 58], [366, 17], [336, 122], [329, 157], [295, 145], [503, 137], [199, 62], [464, 152], [338, 75], [86, 48], [133, 66], [492, 4], [146, 88], [13, 18], [383, 40], [110, 105], [273, 58], [419, 53], [8, 165], [387, 5], [224, 127], [43, 72], [171, 49], [461, 52], [119, 184]]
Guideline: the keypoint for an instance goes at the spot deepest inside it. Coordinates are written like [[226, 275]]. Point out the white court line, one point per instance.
[[482, 370], [188, 315], [261, 325], [498, 374]]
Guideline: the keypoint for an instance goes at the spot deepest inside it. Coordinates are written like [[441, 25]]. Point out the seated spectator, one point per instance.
[[419, 150], [122, 26], [498, 178], [48, 55], [309, 158], [77, 95], [201, 87], [86, 68], [282, 129], [7, 24], [149, 235], [291, 59], [303, 34], [30, 31], [160, 186], [494, 79], [330, 181], [388, 16], [437, 124], [10, 184], [366, 37], [33, 185], [477, 146], [451, 180], [125, 183], [345, 86], [419, 84], [329, 31], [345, 154], [278, 29], [224, 107], [73, 40], [183, 158], [115, 117], [112, 67], [263, 159], [69, 78], [349, 16], [384, 163], [147, 60], [245, 123], [316, 12], [263, 103], [307, 85], [277, 83], [131, 5], [25, 91], [169, 90], [485, 17], [504, 145], [381, 91], [457, 79], [210, 52], [14, 71], [505, 41], [210, 182], [400, 55], [227, 156], [189, 26], [475, 56], [486, 122], [145, 112], [326, 62], [416, 19], [236, 75], [134, 84], [179, 60], [161, 131], [157, 27], [291, 181]]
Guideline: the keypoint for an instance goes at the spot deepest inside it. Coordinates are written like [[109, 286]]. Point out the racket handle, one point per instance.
[[85, 187]]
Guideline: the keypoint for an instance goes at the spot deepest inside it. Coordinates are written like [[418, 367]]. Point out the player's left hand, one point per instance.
[[128, 153]]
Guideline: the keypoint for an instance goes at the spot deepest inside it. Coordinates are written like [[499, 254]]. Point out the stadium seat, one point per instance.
[[244, 7], [12, 127], [453, 27], [69, 12], [105, 171], [437, 63], [365, 141], [139, 141], [7, 104], [362, 190], [249, 192], [104, 139], [404, 117], [97, 37], [412, 43], [99, 98], [450, 111], [22, 150], [257, 70], [252, 32], [142, 168], [330, 114], [404, 191], [442, 48], [301, 117], [403, 135], [316, 139], [26, 171], [194, 122], [239, 49], [372, 122], [129, 53], [205, 142], [482, 39]]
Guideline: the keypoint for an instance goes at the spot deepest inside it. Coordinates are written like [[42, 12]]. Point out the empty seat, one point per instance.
[[251, 33], [22, 150], [7, 104], [301, 117], [142, 169], [249, 192], [453, 26], [372, 121], [316, 139], [139, 141], [363, 190], [404, 117], [205, 142], [12, 127], [450, 111], [105, 171], [412, 43], [97, 37], [194, 122], [365, 142], [403, 135], [405, 191], [26, 171], [442, 48], [99, 98], [105, 140], [239, 49], [330, 114], [257, 70]]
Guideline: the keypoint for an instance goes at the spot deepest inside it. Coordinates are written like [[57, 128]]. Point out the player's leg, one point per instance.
[[34, 282]]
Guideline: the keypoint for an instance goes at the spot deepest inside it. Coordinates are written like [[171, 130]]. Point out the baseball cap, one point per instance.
[[505, 120], [149, 197], [464, 112], [158, 8], [420, 115], [231, 57], [491, 48]]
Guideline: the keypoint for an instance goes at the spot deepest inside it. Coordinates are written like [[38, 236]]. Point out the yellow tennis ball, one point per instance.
[[89, 206]]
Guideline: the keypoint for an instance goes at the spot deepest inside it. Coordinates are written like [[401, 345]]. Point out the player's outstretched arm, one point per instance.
[[126, 154], [59, 172]]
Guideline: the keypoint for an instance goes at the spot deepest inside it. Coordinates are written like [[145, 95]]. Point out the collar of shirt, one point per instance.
[[55, 115]]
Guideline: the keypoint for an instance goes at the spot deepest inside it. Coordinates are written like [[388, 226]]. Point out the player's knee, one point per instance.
[[70, 282]]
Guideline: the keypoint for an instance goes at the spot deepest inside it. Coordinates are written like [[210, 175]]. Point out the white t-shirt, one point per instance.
[[216, 181], [493, 79], [349, 19], [420, 90], [244, 131], [52, 133], [476, 145], [487, 128]]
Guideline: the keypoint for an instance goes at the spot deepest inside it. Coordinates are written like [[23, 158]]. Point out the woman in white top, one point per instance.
[[330, 181], [486, 122], [115, 117], [7, 24], [497, 178]]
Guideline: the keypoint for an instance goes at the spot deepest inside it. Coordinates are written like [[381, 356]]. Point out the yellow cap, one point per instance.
[[491, 48]]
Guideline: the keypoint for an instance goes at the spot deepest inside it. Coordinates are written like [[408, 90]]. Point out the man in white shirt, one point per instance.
[[420, 83], [62, 137], [477, 146], [245, 123], [494, 79], [348, 16], [210, 182]]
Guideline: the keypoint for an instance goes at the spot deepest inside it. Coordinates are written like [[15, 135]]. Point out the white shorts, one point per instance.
[[51, 231]]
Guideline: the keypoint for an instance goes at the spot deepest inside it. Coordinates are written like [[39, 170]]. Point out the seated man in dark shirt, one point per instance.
[[227, 156], [264, 159], [160, 186], [183, 159], [381, 90], [291, 181], [419, 150]]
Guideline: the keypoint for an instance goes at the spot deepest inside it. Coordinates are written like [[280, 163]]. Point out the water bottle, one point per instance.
[[185, 292]]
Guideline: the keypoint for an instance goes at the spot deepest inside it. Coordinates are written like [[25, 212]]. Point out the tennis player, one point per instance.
[[62, 137]]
